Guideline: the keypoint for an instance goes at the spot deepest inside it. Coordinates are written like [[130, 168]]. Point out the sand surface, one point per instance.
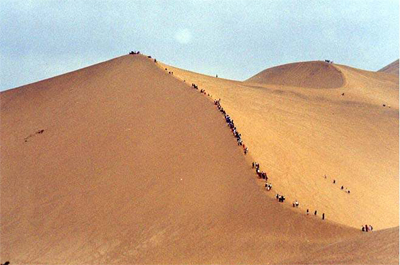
[[122, 163], [315, 74], [300, 134], [392, 68]]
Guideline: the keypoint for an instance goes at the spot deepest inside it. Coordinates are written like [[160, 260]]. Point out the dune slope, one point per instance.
[[299, 135], [120, 163], [392, 68], [314, 74]]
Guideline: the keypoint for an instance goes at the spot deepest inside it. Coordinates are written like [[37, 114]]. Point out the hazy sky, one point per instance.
[[234, 39]]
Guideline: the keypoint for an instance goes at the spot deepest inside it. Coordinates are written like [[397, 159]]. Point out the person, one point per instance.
[[323, 216], [246, 150], [308, 211], [341, 187], [363, 228], [366, 228], [315, 213], [370, 228], [334, 181]]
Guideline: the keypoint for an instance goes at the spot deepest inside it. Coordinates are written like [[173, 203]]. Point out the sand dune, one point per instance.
[[122, 163], [300, 134], [392, 68], [314, 74]]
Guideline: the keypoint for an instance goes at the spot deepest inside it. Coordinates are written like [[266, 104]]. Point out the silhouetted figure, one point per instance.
[[315, 213], [341, 187], [323, 216], [334, 181], [308, 211]]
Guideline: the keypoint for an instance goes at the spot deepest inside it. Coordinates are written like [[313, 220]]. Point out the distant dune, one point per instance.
[[123, 163], [392, 68], [314, 74]]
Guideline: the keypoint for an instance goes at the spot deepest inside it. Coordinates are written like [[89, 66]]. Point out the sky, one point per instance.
[[235, 39]]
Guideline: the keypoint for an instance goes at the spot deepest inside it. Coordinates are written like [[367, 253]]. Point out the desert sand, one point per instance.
[[123, 163], [300, 134], [392, 68]]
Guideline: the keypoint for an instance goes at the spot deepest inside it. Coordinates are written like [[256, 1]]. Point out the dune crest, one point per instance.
[[315, 74]]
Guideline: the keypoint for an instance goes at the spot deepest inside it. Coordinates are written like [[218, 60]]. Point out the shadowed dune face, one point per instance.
[[392, 68], [122, 163], [305, 74], [298, 135]]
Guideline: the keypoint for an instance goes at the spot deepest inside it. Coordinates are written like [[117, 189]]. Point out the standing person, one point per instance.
[[308, 211], [323, 216], [315, 213]]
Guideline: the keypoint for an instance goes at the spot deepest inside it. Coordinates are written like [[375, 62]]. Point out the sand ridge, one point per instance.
[[299, 135]]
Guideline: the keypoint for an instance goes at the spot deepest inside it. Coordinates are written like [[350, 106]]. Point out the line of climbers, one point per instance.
[[255, 165], [342, 187], [238, 136]]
